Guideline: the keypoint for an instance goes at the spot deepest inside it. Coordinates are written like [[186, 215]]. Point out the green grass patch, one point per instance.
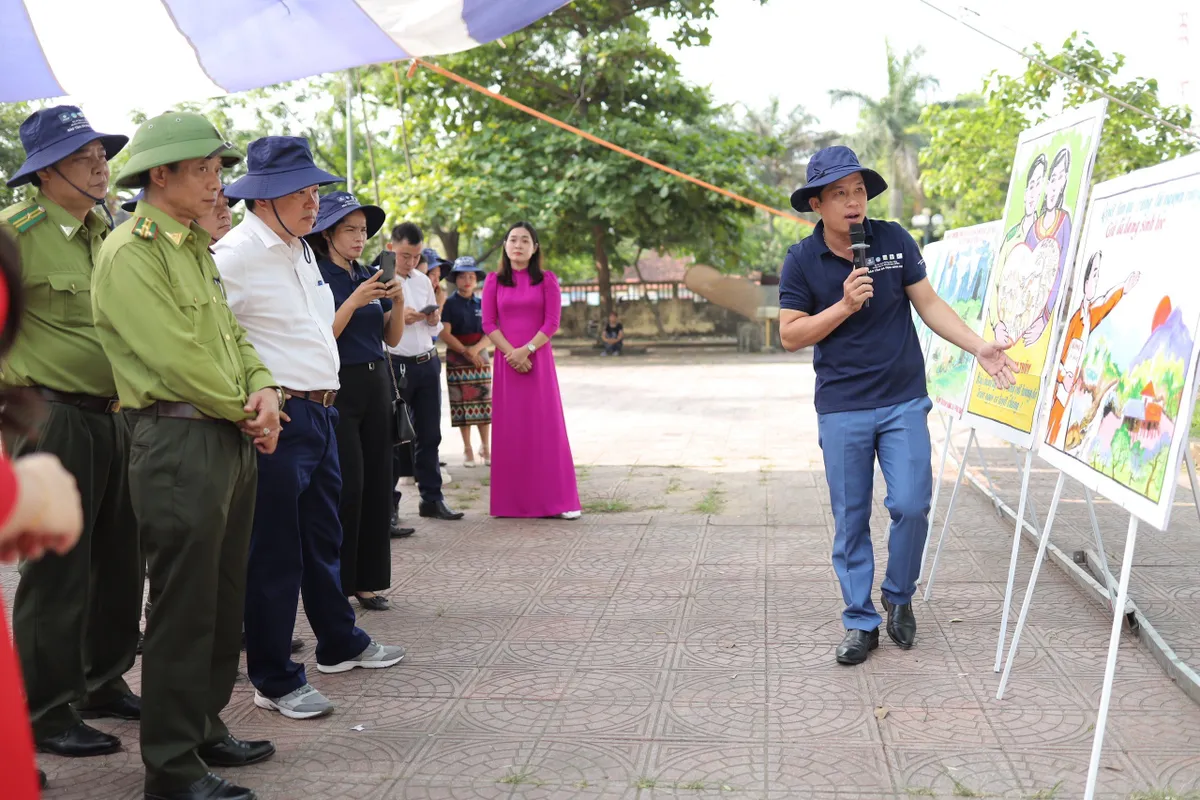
[[919, 791], [713, 502], [1047, 794], [520, 779], [645, 783], [606, 506], [674, 485]]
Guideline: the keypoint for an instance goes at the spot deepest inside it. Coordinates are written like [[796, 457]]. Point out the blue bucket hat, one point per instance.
[[51, 134], [464, 264], [829, 166], [336, 205], [432, 259], [131, 204], [278, 166]]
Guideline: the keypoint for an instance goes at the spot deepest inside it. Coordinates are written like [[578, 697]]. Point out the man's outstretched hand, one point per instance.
[[995, 362]]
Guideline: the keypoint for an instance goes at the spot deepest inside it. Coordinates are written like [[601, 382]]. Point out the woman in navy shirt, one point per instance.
[[468, 371], [364, 320]]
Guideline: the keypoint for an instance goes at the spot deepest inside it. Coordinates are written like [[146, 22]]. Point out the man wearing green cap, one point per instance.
[[75, 615], [200, 402]]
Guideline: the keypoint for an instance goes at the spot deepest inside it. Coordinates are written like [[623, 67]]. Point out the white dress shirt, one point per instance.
[[280, 298], [418, 338]]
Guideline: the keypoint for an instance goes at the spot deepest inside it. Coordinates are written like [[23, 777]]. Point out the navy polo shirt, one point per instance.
[[873, 359], [361, 341], [464, 315]]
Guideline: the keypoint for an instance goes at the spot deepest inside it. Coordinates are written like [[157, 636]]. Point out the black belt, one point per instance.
[[162, 408], [322, 397], [84, 402], [421, 359]]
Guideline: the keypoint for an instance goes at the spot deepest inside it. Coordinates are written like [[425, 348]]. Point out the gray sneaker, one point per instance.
[[375, 656], [304, 703]]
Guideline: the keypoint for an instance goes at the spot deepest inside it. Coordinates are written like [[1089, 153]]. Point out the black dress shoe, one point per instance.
[[376, 603], [439, 510], [141, 642], [41, 779], [901, 624], [210, 787], [126, 707], [857, 644], [234, 752], [297, 645], [80, 741]]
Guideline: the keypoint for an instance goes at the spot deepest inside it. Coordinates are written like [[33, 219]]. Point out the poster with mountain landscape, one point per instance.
[[1124, 367], [958, 267]]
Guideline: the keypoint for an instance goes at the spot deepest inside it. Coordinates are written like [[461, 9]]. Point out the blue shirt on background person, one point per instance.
[[463, 314], [873, 359], [360, 341]]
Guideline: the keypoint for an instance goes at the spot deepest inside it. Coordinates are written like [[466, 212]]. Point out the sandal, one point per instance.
[[469, 459]]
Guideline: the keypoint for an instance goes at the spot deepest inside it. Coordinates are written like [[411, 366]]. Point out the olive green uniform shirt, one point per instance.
[[58, 347], [161, 314]]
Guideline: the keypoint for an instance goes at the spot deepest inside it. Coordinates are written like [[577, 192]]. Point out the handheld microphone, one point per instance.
[[858, 244]]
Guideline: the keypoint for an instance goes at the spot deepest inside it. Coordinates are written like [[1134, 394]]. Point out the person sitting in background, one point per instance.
[[468, 369], [40, 512], [613, 336]]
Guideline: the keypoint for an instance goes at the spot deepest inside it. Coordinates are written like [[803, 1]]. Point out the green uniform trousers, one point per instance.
[[75, 616], [193, 484]]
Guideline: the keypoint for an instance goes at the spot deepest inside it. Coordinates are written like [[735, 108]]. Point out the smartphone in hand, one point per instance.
[[427, 310], [387, 266]]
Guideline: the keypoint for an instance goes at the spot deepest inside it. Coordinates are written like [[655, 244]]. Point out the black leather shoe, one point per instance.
[[439, 510], [210, 787], [297, 645], [396, 530], [234, 752], [141, 642], [901, 624], [857, 644], [127, 707], [41, 779], [376, 603], [80, 741]]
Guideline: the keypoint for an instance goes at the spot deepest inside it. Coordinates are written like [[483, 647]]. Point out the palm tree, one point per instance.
[[889, 127]]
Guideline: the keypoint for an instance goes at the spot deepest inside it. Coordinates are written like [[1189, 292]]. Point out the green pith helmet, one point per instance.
[[173, 137]]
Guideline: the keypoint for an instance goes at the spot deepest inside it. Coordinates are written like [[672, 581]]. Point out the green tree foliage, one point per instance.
[[889, 129], [967, 162], [12, 154]]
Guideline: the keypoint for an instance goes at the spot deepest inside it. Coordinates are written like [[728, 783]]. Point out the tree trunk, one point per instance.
[[602, 272], [449, 243]]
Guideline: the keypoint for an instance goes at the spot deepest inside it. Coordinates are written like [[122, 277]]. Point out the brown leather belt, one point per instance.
[[84, 402], [322, 397], [162, 408]]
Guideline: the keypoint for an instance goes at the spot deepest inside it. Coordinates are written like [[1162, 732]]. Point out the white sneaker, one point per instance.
[[304, 703], [570, 515], [407, 480], [376, 656]]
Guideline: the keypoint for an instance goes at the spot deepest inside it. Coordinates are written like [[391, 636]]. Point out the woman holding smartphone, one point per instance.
[[364, 320]]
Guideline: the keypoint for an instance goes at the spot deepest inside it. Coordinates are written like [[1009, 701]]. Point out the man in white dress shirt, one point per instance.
[[276, 291], [416, 358]]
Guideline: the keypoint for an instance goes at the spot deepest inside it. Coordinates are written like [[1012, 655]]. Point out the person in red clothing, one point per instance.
[[40, 512]]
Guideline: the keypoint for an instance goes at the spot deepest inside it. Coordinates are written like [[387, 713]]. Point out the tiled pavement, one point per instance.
[[677, 641]]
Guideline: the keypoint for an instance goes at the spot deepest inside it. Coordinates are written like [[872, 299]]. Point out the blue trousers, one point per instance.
[[851, 440], [294, 549], [423, 394]]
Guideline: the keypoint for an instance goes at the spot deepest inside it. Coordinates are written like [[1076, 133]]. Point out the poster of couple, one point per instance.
[[1123, 377], [1047, 194]]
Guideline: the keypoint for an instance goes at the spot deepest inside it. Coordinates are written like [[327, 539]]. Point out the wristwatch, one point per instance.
[[530, 347]]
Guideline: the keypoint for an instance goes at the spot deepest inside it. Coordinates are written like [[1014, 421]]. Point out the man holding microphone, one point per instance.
[[870, 396]]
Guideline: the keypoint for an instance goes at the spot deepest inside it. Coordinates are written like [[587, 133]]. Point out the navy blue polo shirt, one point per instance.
[[873, 359], [361, 341], [464, 315]]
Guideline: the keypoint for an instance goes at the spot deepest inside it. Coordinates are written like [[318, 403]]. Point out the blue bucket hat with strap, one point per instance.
[[335, 206], [278, 166], [830, 166], [465, 264], [51, 134]]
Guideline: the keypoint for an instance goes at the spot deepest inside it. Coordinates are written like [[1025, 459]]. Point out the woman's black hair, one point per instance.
[[505, 275], [20, 410]]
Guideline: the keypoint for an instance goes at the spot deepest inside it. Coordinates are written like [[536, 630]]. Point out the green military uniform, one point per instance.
[[172, 340], [75, 616]]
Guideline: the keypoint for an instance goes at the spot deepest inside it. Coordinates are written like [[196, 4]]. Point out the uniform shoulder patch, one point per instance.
[[146, 228], [24, 216]]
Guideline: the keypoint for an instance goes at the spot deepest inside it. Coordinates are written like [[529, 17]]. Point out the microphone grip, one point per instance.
[[860, 260]]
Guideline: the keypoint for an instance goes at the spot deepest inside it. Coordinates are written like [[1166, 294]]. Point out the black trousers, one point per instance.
[[75, 616], [192, 483], [364, 439], [422, 390]]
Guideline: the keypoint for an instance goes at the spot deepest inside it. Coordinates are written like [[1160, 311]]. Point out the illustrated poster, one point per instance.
[[958, 268], [1047, 193], [1124, 368]]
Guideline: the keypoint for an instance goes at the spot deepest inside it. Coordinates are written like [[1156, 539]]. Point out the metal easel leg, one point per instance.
[[1012, 562], [937, 554], [937, 488]]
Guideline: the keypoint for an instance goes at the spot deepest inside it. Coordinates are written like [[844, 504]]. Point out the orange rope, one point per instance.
[[417, 62]]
